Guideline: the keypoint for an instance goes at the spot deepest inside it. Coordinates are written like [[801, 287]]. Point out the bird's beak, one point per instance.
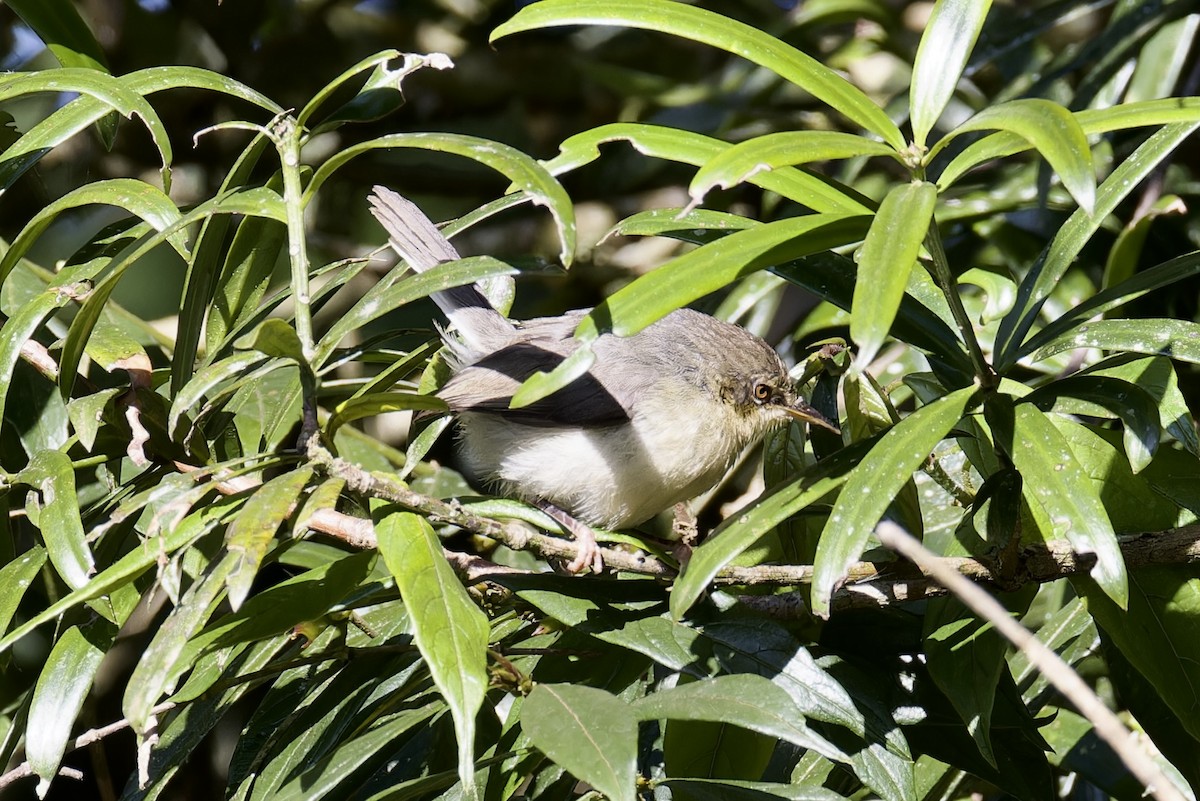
[[800, 410]]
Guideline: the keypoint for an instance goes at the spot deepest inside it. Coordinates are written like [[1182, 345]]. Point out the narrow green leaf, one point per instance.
[[736, 164], [887, 257], [188, 399], [1094, 122], [1177, 339], [1053, 263], [380, 403], [1154, 632], [715, 265], [450, 630], [21, 327], [58, 24], [745, 700], [376, 303], [15, 578], [526, 174], [687, 147], [51, 473], [251, 532], [255, 201], [276, 338], [966, 659], [114, 92], [1053, 478], [1052, 131], [946, 44], [699, 25], [731, 790], [741, 531], [62, 686], [542, 384], [875, 483], [1135, 407], [160, 666], [592, 734], [1156, 375], [246, 272], [121, 572], [1156, 277], [137, 197]]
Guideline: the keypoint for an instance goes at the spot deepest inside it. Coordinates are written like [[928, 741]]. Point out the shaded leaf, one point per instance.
[[875, 483], [450, 630], [587, 731]]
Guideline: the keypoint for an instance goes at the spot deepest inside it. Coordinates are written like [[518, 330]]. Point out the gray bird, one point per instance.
[[657, 419]]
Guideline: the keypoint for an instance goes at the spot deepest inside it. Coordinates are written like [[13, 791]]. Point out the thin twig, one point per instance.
[[1106, 725], [87, 738]]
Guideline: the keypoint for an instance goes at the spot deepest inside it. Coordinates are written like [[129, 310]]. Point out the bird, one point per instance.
[[658, 418]]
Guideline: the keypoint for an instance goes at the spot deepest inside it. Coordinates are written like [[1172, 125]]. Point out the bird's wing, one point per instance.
[[541, 345]]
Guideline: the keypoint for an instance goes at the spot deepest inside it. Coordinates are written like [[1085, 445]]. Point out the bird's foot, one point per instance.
[[588, 554]]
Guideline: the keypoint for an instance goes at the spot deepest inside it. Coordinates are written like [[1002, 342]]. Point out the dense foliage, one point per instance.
[[224, 534]]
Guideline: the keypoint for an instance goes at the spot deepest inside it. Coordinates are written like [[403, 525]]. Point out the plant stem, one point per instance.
[[287, 135], [944, 278]]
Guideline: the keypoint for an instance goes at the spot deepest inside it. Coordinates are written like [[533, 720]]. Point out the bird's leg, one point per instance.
[[585, 539], [685, 532]]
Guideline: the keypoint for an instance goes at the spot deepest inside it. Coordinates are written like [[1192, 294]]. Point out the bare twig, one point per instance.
[[1107, 726], [87, 738]]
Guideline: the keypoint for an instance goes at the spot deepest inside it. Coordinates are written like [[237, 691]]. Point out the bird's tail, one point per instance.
[[423, 246]]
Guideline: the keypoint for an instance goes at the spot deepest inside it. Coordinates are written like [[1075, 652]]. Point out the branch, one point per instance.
[[1106, 725], [87, 738]]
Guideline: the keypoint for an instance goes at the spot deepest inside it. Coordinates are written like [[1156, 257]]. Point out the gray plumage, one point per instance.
[[657, 419]]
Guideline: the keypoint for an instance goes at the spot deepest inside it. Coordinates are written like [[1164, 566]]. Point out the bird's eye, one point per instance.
[[762, 392]]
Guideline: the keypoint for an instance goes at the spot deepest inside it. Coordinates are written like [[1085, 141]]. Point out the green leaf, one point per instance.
[[254, 201], [874, 483], [276, 338], [160, 665], [381, 300], [15, 578], [58, 24], [730, 790], [741, 531], [966, 659], [253, 530], [884, 263], [1094, 122], [542, 384], [715, 265], [188, 400], [527, 175], [592, 734], [450, 630], [1053, 263], [1052, 131], [1132, 404], [124, 570], [137, 197], [950, 35], [1154, 632], [704, 26], [736, 164], [1176, 339], [687, 147], [745, 700], [1053, 478], [1161, 275], [52, 474], [62, 686], [113, 92], [21, 327], [380, 403]]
